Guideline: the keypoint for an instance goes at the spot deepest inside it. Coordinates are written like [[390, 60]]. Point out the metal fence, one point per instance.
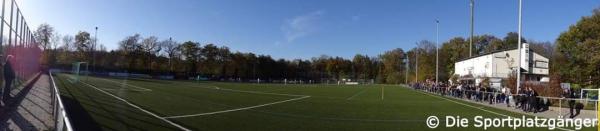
[[62, 122], [22, 53], [18, 44]]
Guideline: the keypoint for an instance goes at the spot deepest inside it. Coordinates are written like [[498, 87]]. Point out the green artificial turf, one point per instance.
[[288, 107]]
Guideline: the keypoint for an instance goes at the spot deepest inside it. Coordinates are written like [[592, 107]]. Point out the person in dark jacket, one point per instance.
[[523, 100], [9, 77], [533, 103], [490, 95], [571, 95]]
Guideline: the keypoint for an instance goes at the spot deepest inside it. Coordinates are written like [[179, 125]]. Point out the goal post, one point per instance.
[[590, 94], [79, 69], [584, 105], [591, 97]]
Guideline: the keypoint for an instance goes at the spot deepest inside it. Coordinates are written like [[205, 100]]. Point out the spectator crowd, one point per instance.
[[526, 99]]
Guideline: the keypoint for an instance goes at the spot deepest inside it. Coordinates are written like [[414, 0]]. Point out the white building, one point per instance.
[[500, 64]]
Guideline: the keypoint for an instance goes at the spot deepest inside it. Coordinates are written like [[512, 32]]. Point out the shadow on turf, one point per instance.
[[82, 119]]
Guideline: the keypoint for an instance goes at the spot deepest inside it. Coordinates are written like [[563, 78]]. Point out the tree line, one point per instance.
[[573, 57]]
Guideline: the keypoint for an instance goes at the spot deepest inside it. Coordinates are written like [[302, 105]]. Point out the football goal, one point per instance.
[[79, 69], [584, 105], [589, 94]]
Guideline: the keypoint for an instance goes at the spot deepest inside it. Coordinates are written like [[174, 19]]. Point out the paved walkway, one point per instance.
[[31, 107]]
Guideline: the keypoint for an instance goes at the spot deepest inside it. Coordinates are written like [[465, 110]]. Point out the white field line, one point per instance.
[[139, 108], [357, 94], [244, 108], [275, 90], [237, 109], [478, 107], [70, 80], [145, 89], [253, 92], [120, 89], [382, 92], [110, 89]]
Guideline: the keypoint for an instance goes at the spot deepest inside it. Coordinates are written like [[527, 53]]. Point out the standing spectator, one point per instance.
[[527, 100], [9, 76], [570, 94], [533, 103], [508, 95], [490, 95], [499, 97], [523, 99], [502, 95]]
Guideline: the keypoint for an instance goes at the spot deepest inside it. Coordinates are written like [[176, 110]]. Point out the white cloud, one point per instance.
[[301, 26]]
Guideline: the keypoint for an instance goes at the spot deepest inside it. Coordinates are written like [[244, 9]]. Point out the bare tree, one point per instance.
[[67, 43], [171, 49], [44, 34], [55, 42], [150, 47], [129, 47]]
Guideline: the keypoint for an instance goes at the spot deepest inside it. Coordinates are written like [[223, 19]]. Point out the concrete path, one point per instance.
[[31, 107]]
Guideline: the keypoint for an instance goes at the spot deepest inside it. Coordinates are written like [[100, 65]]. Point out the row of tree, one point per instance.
[[575, 57], [149, 55]]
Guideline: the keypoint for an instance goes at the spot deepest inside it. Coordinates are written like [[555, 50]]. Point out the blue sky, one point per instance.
[[304, 28]]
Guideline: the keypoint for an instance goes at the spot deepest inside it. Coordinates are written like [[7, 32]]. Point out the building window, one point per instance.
[[541, 64]]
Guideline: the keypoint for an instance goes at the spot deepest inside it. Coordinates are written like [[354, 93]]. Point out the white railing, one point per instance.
[[61, 120]]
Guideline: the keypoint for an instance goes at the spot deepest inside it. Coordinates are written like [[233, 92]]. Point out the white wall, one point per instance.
[[541, 64], [505, 62], [478, 67], [501, 64]]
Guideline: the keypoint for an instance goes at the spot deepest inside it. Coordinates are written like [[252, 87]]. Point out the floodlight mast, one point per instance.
[[406, 69], [94, 49], [417, 64], [472, 4], [472, 21], [437, 49], [519, 48]]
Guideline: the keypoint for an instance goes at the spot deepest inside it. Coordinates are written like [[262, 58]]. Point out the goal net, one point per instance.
[[80, 69], [584, 104], [589, 94]]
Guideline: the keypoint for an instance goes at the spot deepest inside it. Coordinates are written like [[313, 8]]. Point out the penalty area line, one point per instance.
[[146, 89], [357, 94], [111, 89], [251, 92], [121, 89], [237, 109], [382, 92], [139, 108]]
